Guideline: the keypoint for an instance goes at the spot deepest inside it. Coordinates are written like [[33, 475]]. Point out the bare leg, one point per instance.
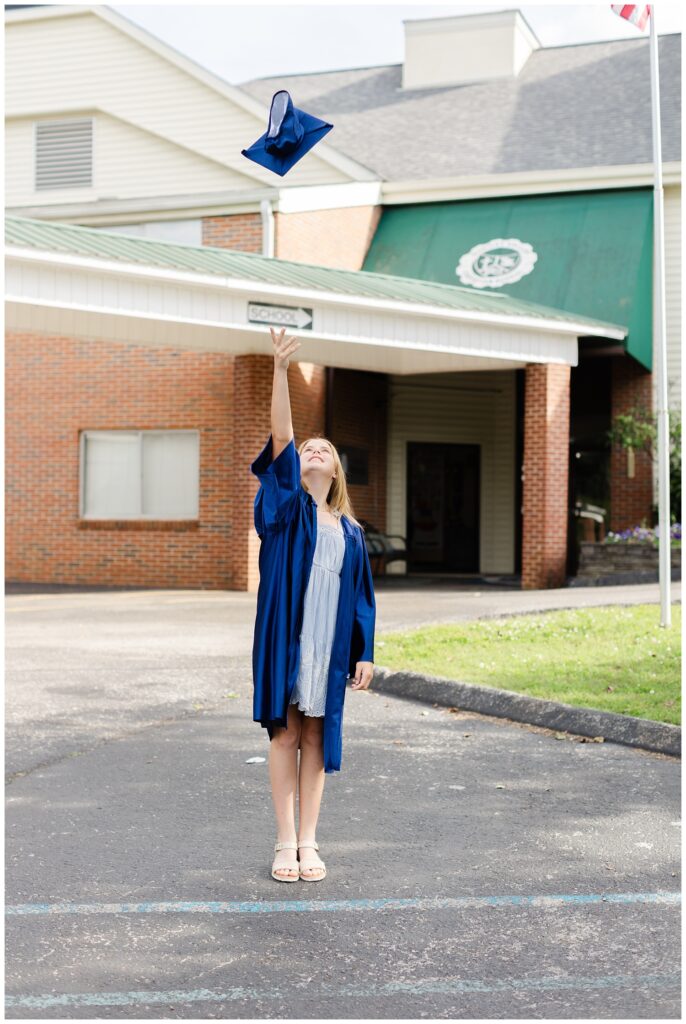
[[283, 772], [311, 786]]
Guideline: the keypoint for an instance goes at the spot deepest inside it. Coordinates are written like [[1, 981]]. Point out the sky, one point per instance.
[[240, 42]]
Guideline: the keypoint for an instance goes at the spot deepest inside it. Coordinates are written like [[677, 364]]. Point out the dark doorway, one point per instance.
[[443, 507]]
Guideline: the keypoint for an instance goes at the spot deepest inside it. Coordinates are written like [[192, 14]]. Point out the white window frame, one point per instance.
[[141, 517]]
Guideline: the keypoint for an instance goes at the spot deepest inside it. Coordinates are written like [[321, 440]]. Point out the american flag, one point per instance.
[[638, 16]]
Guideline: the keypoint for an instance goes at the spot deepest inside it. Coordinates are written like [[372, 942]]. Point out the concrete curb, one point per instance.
[[487, 700]]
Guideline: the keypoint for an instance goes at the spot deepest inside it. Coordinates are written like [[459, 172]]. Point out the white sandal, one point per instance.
[[312, 867], [289, 844]]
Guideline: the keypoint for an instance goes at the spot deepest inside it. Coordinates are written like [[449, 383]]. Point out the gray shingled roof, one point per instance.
[[570, 106]]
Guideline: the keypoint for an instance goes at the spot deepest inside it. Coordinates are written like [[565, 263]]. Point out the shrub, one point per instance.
[[637, 431]]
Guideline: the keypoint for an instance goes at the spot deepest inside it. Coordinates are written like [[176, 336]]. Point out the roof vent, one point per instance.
[[466, 49], [64, 153]]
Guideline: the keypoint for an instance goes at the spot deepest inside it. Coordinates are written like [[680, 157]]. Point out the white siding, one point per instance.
[[672, 199], [64, 65], [462, 408], [672, 295], [128, 162]]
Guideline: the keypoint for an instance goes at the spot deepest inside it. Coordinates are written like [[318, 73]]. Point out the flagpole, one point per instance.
[[660, 337]]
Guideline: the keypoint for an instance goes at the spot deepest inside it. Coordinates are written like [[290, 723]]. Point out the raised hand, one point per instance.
[[283, 349]]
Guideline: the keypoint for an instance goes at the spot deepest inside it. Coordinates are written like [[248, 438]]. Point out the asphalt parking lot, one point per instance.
[[477, 868]]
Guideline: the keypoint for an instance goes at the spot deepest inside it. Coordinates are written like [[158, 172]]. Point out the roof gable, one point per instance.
[[201, 112]]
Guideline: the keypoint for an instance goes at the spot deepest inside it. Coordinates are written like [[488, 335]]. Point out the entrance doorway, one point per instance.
[[443, 507]]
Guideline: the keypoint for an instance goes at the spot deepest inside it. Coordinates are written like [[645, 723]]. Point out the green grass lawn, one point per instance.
[[615, 658]]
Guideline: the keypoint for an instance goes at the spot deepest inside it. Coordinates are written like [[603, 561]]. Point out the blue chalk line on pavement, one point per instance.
[[322, 990], [306, 906]]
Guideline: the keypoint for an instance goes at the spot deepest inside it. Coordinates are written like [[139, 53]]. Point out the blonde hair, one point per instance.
[[338, 497]]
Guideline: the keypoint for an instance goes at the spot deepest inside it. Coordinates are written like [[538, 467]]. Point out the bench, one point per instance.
[[383, 548]]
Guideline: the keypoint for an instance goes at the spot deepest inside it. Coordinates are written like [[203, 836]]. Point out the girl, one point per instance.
[[314, 626]]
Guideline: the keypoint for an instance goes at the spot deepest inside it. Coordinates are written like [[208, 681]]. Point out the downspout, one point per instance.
[[267, 228]]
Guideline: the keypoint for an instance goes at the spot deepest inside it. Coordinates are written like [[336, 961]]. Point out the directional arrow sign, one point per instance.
[[282, 316]]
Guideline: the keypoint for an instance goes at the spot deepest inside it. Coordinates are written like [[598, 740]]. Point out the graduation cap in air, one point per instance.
[[291, 134]]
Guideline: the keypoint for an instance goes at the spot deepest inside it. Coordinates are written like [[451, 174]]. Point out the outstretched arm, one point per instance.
[[282, 424], [277, 467]]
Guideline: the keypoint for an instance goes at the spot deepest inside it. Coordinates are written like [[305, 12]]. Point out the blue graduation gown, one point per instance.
[[286, 522]]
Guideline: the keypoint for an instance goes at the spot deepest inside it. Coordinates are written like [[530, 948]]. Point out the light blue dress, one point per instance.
[[285, 517], [319, 620]]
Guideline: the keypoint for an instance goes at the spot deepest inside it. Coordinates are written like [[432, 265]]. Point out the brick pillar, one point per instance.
[[631, 498], [252, 388], [252, 376], [545, 481]]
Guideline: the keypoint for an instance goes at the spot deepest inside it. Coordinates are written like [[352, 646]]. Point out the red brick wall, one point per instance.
[[330, 238], [56, 387], [359, 419], [545, 485], [241, 231], [631, 498]]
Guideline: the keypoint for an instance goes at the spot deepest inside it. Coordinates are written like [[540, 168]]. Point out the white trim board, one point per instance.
[[113, 275]]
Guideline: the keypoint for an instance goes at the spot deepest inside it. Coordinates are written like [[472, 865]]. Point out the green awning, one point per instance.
[[588, 253]]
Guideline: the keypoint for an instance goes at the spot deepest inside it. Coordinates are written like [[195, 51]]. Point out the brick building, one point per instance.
[[472, 315]]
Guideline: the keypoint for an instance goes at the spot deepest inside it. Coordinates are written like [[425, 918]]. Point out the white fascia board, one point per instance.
[[267, 290], [286, 200], [102, 212], [518, 183], [329, 197], [567, 356], [320, 197], [120, 211], [60, 110]]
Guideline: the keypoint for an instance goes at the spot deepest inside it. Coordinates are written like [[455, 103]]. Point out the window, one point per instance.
[[64, 154], [130, 474]]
